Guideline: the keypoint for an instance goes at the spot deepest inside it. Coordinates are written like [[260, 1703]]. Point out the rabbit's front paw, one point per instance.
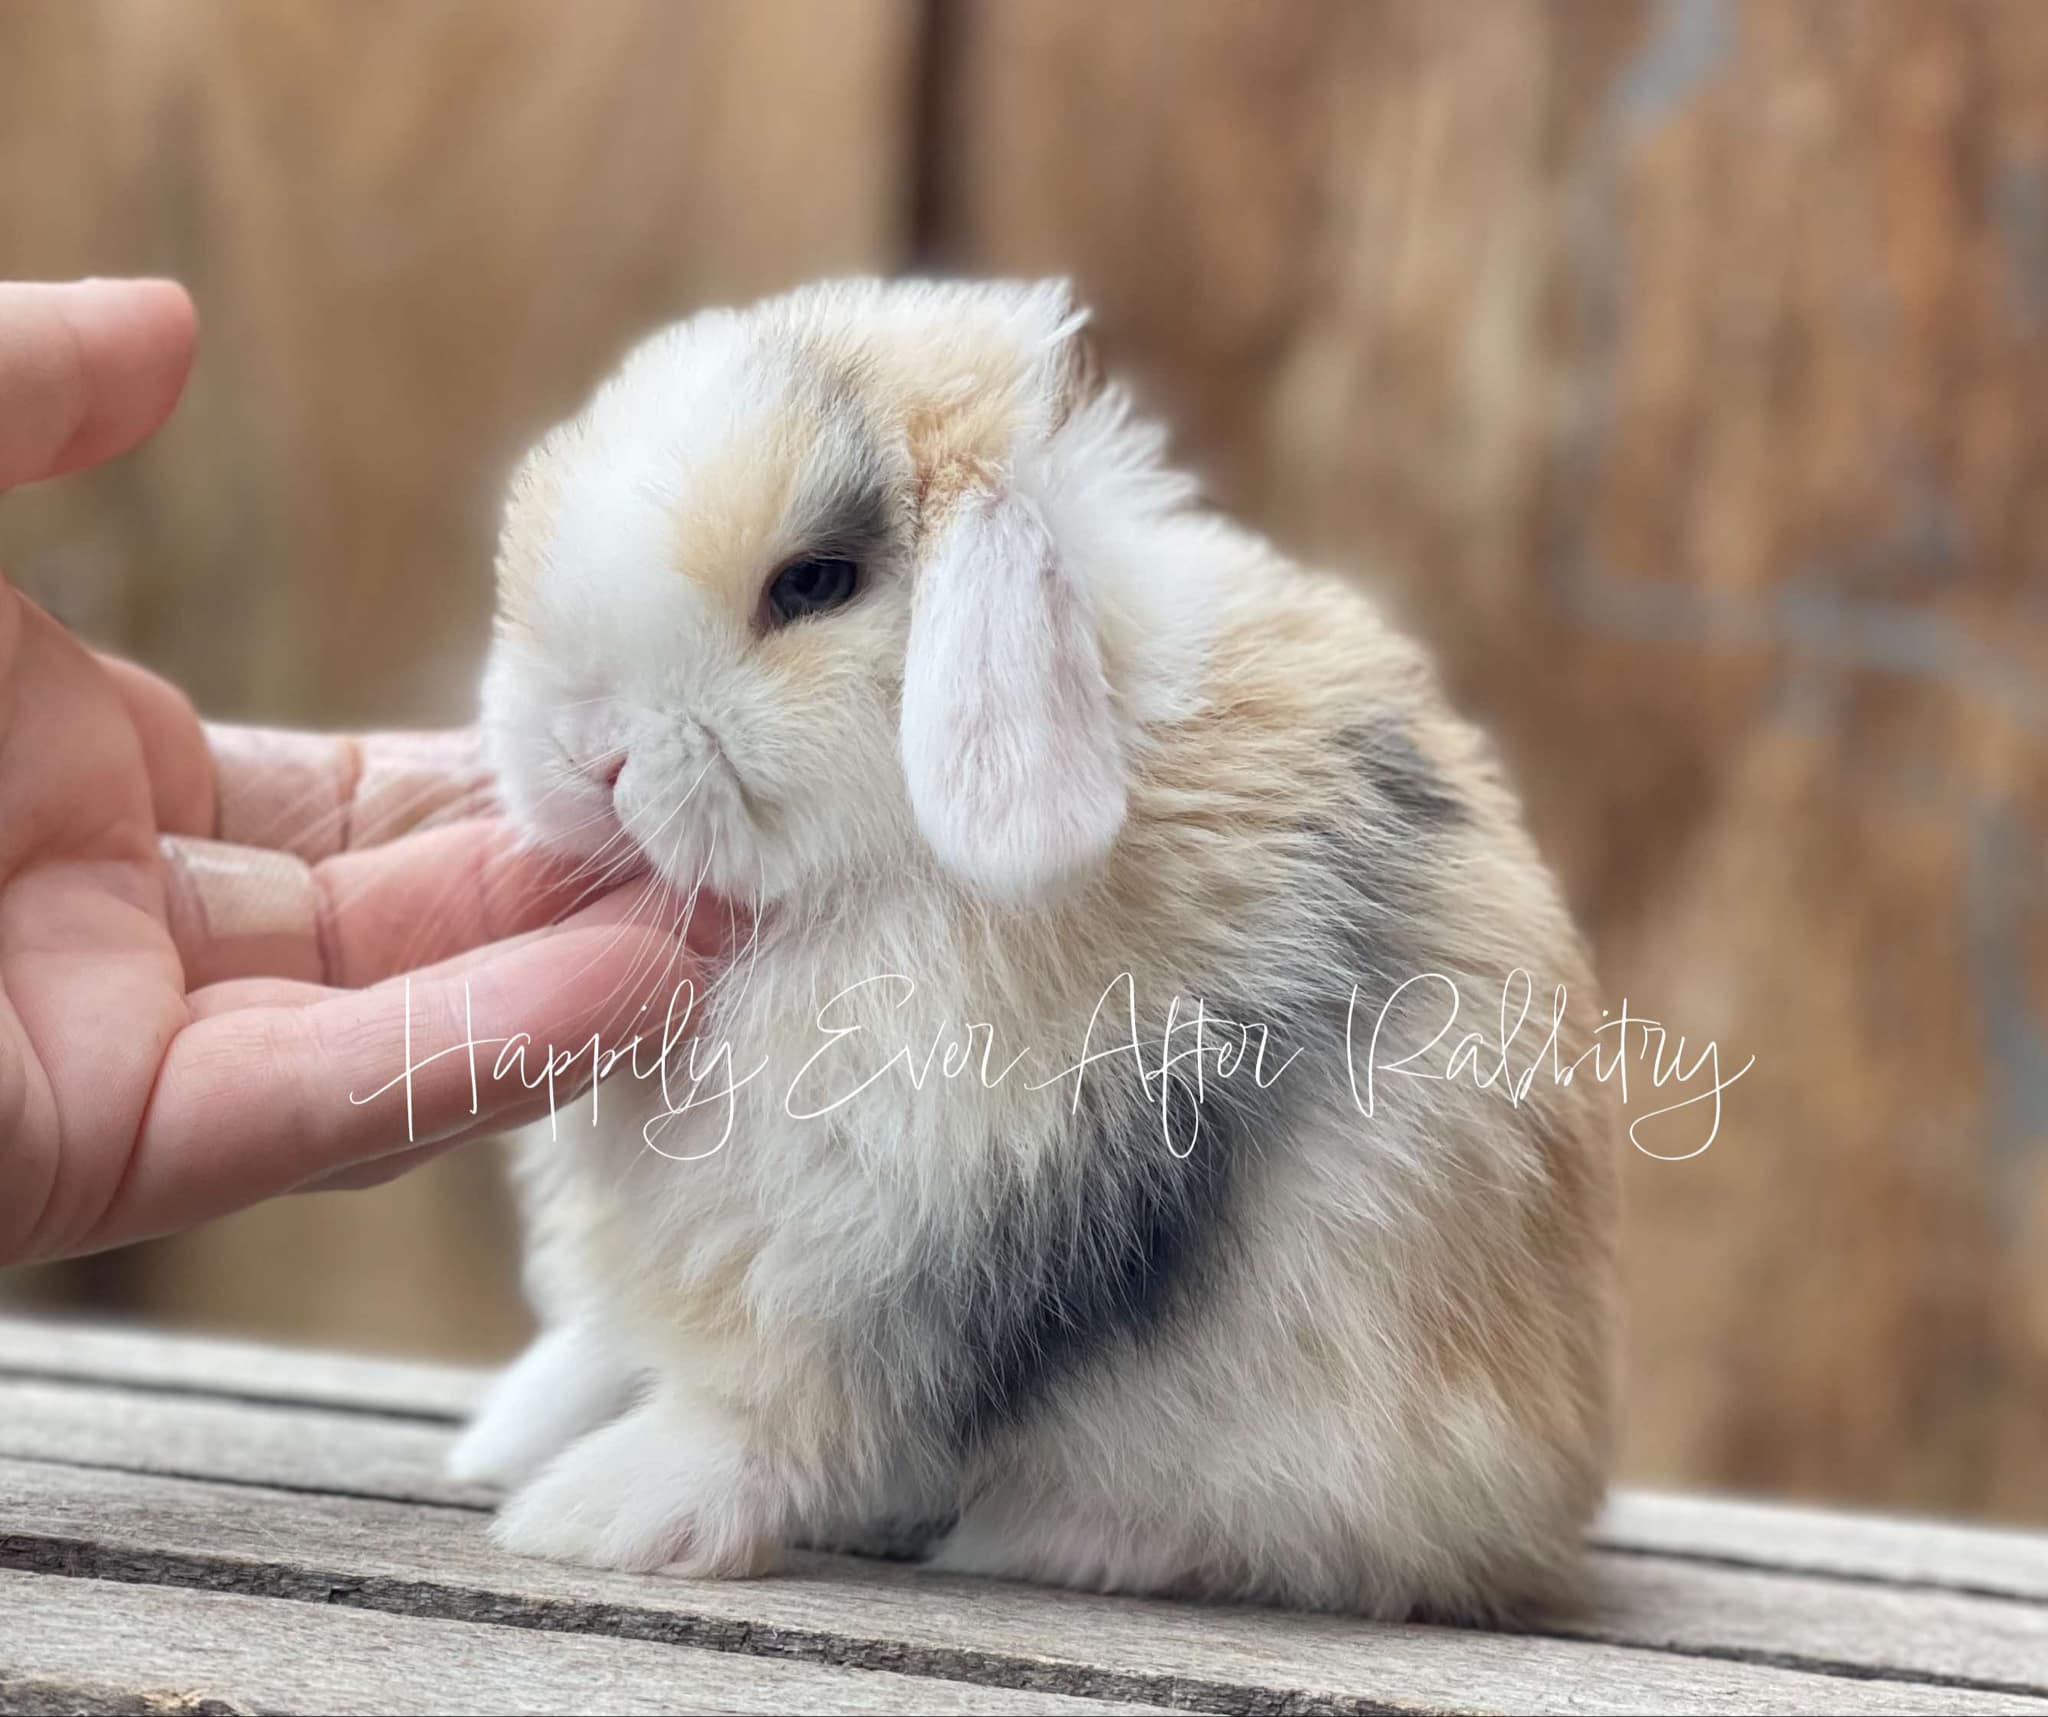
[[566, 1384], [655, 1489]]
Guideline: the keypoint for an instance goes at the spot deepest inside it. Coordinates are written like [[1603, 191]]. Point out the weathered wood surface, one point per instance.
[[271, 1530], [111, 1637]]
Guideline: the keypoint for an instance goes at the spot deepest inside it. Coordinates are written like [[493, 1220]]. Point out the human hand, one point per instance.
[[208, 936]]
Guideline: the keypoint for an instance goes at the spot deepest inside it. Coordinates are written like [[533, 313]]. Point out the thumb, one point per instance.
[[87, 371]]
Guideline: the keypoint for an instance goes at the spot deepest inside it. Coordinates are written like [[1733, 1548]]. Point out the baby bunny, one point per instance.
[[1053, 1183]]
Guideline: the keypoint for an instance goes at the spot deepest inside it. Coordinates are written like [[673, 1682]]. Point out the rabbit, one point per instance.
[[873, 615]]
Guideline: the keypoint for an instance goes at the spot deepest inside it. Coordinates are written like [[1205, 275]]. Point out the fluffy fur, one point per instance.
[[1078, 755]]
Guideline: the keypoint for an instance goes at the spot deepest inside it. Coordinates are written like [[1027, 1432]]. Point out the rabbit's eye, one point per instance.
[[811, 587]]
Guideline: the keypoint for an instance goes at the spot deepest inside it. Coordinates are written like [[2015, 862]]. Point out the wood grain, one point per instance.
[[1885, 1550], [236, 1370], [243, 1654], [409, 1560]]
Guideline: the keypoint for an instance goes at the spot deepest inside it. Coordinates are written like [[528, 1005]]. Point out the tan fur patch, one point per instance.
[[531, 502], [733, 528]]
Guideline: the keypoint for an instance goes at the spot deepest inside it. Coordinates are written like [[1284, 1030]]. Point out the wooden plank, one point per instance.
[[303, 1448], [254, 1655], [434, 1562], [244, 1370], [1790, 1618], [1825, 1541]]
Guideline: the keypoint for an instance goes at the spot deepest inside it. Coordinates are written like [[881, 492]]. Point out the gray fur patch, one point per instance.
[[1393, 766]]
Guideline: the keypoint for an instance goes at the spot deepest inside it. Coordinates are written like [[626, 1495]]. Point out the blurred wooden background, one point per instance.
[[1679, 369]]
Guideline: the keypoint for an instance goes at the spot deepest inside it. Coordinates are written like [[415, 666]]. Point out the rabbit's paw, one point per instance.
[[566, 1384], [655, 1489]]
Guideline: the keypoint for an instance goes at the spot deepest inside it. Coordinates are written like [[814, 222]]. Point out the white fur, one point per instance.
[[666, 1484], [1009, 744], [569, 1382]]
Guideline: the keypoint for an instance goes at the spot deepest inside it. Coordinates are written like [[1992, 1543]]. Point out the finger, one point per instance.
[[260, 1101], [174, 750], [87, 371], [315, 794], [625, 911], [356, 918], [381, 1171], [234, 994]]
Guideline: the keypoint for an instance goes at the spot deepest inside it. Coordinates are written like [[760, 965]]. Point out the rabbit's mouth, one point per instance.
[[715, 928], [706, 842]]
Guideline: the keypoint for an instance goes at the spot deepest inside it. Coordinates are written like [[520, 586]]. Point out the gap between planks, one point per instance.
[[146, 1641]]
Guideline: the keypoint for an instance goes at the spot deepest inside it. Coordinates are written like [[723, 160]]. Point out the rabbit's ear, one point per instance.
[[1009, 742]]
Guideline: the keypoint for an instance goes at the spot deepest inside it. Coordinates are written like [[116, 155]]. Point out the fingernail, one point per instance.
[[235, 911]]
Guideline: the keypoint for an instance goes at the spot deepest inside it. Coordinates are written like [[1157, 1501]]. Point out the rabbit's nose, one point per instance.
[[604, 770]]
